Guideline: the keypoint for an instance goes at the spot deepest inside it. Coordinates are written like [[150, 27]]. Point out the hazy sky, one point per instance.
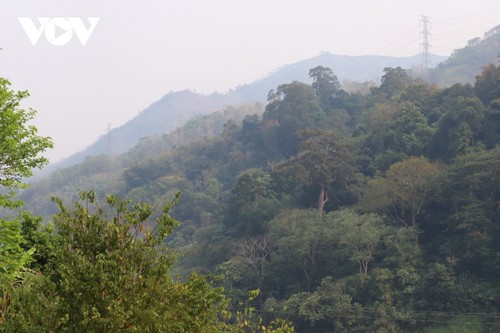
[[141, 50]]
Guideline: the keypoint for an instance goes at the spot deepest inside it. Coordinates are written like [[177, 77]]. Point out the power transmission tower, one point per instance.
[[426, 45]]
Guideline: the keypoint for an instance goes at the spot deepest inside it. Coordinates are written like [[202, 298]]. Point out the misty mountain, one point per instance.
[[176, 108], [465, 64], [166, 114], [350, 68]]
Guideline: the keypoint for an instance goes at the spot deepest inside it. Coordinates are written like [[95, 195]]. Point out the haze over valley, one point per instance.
[[250, 167]]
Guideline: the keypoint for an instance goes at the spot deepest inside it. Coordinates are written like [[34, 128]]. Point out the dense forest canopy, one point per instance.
[[102, 265], [348, 212], [337, 211]]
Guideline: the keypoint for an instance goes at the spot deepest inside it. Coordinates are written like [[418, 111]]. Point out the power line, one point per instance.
[[450, 27], [391, 47], [371, 313]]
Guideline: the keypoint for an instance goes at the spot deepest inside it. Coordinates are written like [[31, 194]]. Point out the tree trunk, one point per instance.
[[323, 198]]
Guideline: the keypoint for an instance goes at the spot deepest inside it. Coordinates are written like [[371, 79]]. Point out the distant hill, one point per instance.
[[103, 173], [465, 64], [351, 68], [393, 193], [175, 109], [201, 127], [171, 111]]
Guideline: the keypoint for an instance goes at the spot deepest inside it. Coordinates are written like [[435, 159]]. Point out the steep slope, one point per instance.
[[352, 68], [103, 173], [174, 109], [465, 64], [163, 116], [412, 181]]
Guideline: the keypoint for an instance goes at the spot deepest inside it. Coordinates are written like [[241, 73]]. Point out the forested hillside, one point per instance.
[[357, 72], [176, 108], [349, 212], [465, 63], [163, 116], [99, 265]]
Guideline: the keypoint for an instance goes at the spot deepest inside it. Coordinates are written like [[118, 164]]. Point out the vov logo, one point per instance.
[[58, 30]]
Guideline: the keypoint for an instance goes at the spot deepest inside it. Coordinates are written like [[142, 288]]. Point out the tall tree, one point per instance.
[[20, 144], [323, 159], [20, 153], [403, 189], [409, 132], [326, 85], [303, 245], [487, 85], [252, 256], [459, 129], [394, 81], [292, 108], [470, 189], [491, 127], [359, 234], [251, 204]]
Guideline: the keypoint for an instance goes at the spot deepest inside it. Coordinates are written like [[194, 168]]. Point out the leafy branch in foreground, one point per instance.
[[20, 144], [20, 148], [112, 273]]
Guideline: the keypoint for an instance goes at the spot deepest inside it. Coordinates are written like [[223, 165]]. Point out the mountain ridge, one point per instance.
[[176, 108], [464, 64]]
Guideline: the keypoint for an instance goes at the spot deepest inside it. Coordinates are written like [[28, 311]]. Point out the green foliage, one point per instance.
[[399, 131], [33, 306], [464, 64], [410, 133], [404, 190], [250, 262], [394, 81], [112, 273], [247, 320], [471, 187], [323, 158], [425, 98], [20, 149], [293, 107], [20, 146], [38, 238], [491, 124], [303, 243], [419, 249], [251, 204], [459, 129], [327, 309], [126, 272], [461, 324], [326, 85], [109, 271], [12, 255], [359, 235], [440, 289], [487, 85]]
